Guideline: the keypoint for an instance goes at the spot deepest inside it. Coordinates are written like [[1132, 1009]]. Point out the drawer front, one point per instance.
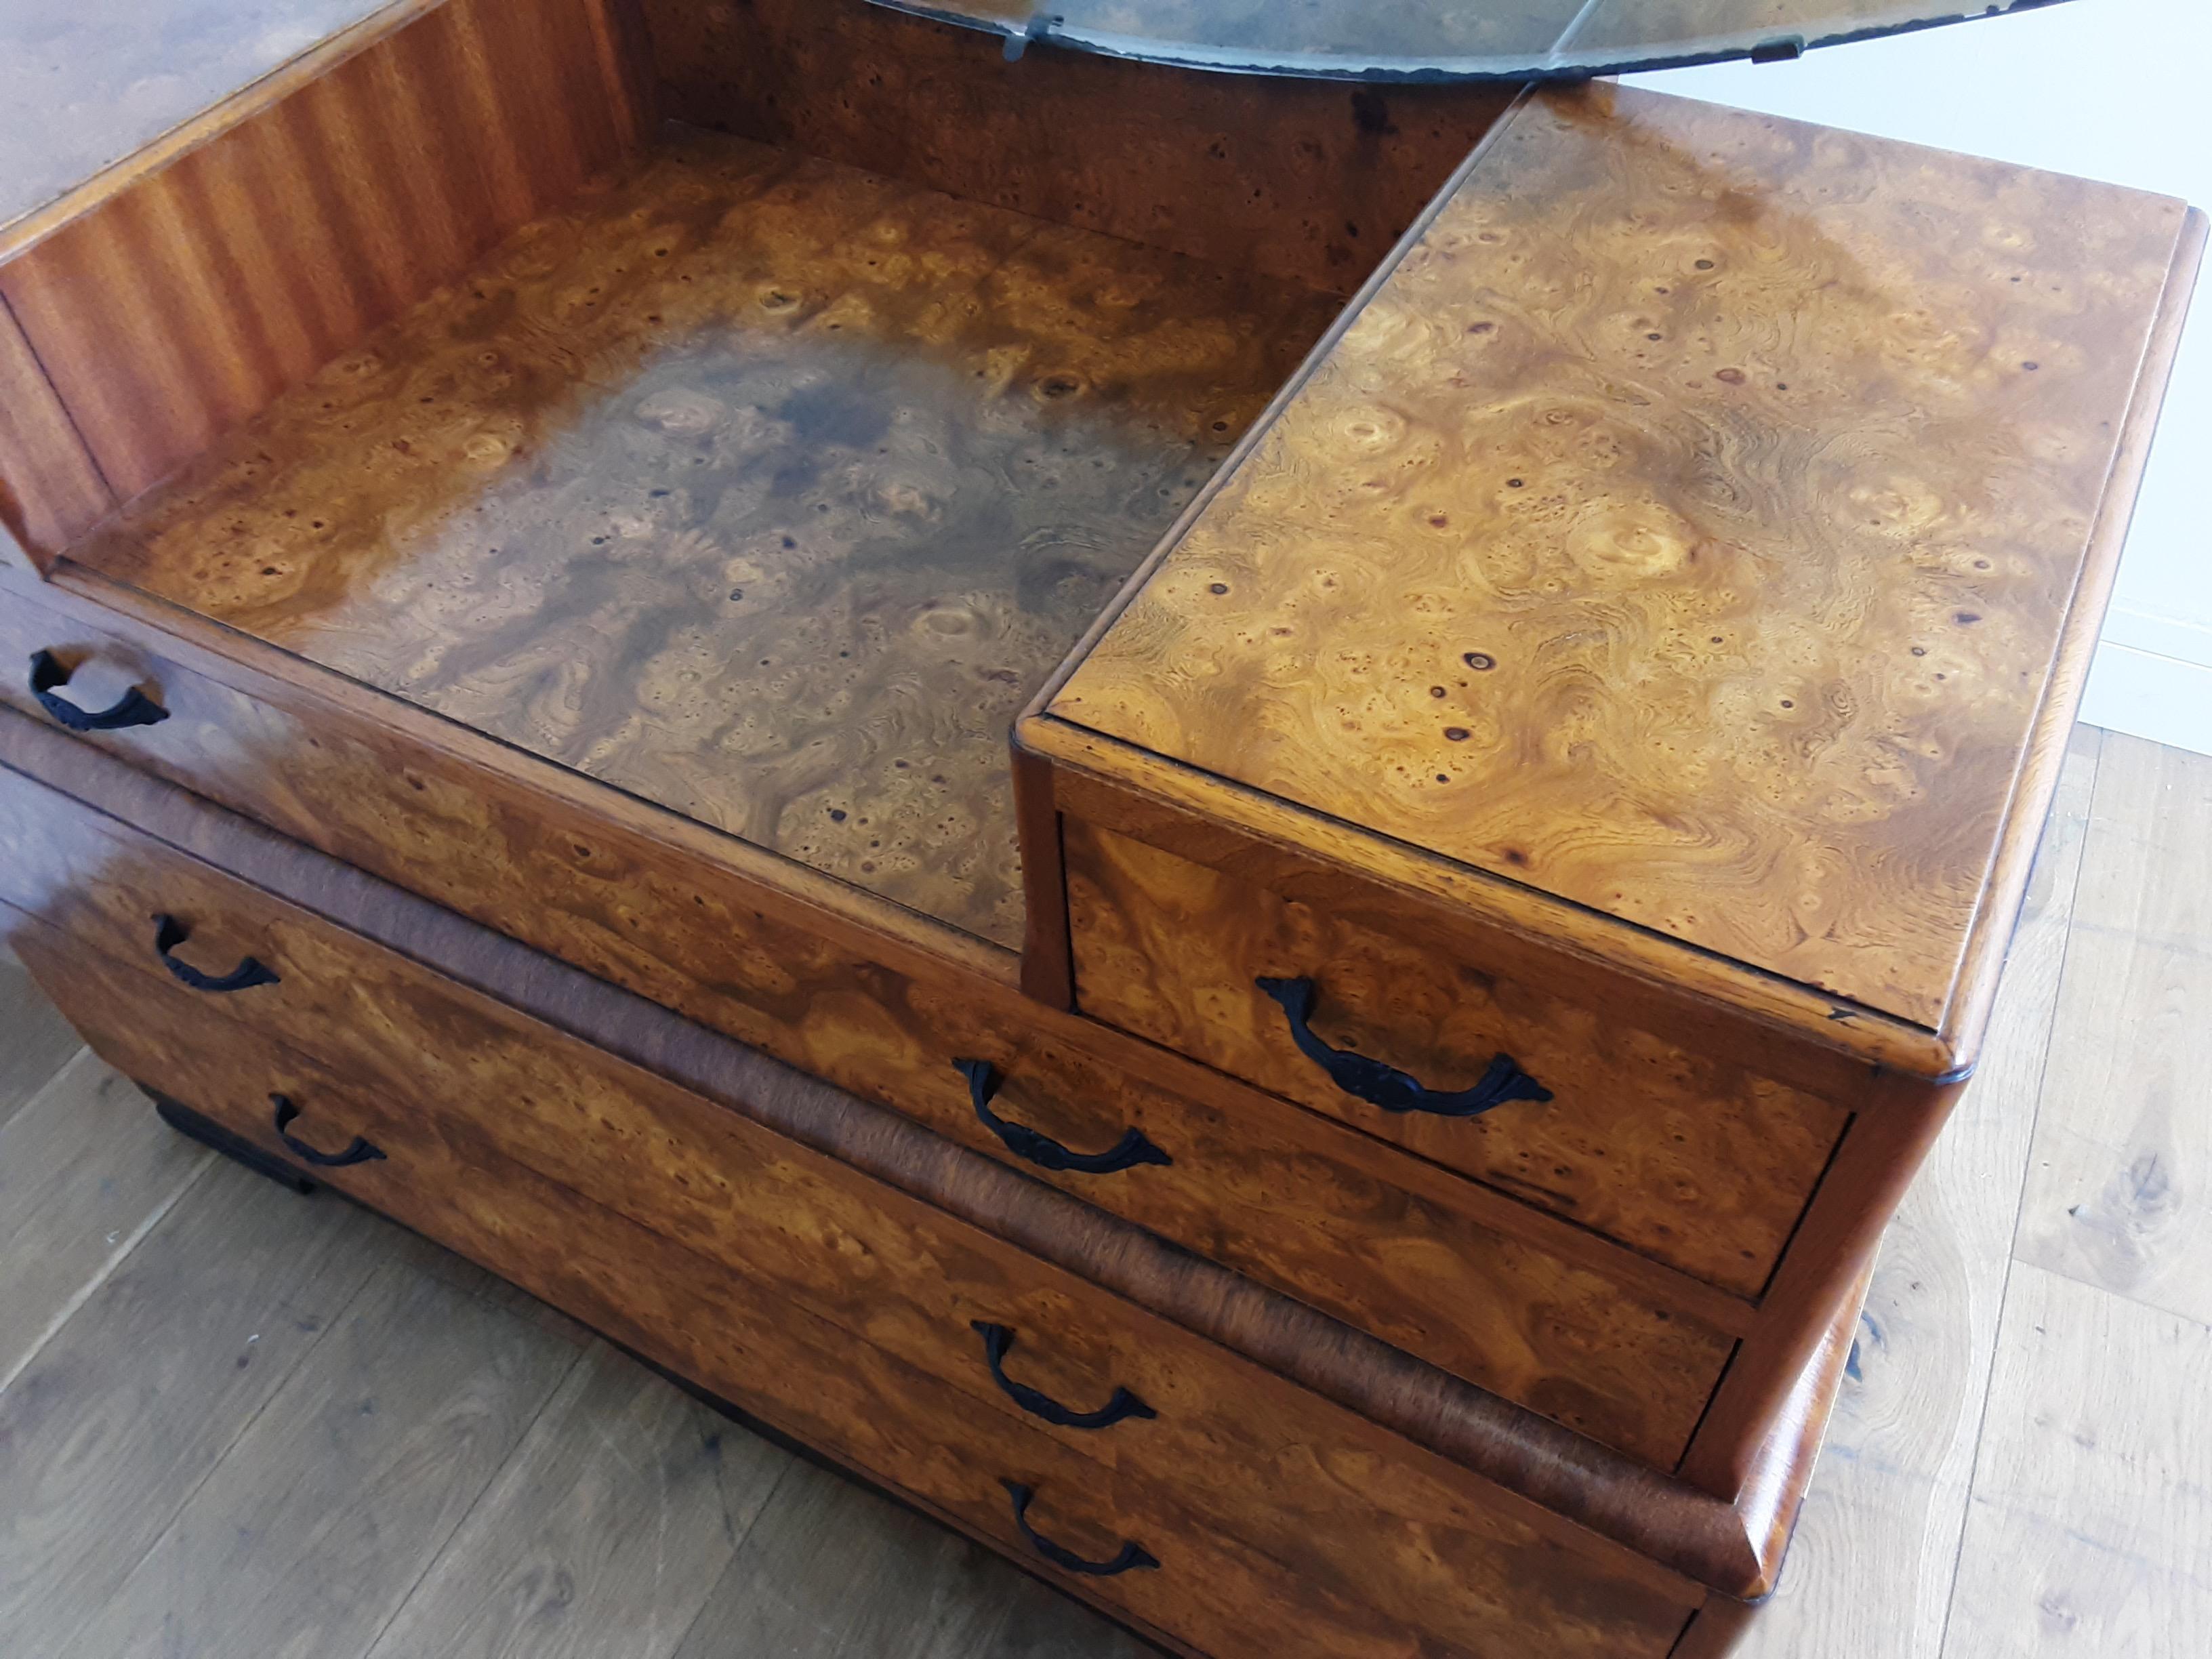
[[1406, 1251], [1694, 1161], [1364, 1518], [801, 1374]]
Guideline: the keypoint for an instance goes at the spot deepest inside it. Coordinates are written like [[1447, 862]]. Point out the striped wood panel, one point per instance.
[[183, 304], [50, 491]]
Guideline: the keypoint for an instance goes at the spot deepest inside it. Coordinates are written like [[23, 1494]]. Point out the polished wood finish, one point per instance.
[[1238, 795], [1496, 1310], [1488, 1288], [1871, 1568], [1882, 1151], [591, 1496], [50, 493], [184, 302], [475, 666], [1707, 1540], [1237, 1478], [1309, 180], [1697, 1162], [1778, 714], [1796, 1035], [855, 463]]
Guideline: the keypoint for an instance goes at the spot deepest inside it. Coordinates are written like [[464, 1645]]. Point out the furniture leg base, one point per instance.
[[210, 1133]]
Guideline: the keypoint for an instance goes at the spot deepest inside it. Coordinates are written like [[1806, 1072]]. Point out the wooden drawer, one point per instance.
[[844, 1311], [1682, 1152], [1537, 1311]]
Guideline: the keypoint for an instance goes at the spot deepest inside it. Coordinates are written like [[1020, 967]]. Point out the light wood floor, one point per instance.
[[237, 1423]]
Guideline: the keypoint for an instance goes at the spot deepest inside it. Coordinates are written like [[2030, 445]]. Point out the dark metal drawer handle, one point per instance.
[[1043, 1150], [169, 934], [360, 1153], [1132, 1554], [133, 708], [1387, 1087], [998, 1341]]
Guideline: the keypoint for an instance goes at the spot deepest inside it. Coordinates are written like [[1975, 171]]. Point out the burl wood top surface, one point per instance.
[[1685, 530], [84, 83], [761, 488]]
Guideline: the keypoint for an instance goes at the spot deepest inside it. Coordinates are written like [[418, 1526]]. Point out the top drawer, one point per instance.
[[1597, 733], [1691, 1156], [1687, 556]]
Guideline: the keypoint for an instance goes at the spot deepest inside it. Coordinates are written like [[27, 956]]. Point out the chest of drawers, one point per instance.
[[1419, 1045]]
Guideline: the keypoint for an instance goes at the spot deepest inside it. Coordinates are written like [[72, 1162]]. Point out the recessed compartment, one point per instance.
[[760, 487]]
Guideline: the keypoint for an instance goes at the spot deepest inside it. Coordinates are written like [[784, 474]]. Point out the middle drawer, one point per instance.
[[1361, 1518], [1268, 1192]]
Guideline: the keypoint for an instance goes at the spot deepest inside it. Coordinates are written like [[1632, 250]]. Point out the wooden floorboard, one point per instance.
[[35, 1041], [2119, 1191], [80, 1181], [320, 1522], [1869, 1574], [131, 1404], [605, 1533], [2019, 1466], [2091, 1527]]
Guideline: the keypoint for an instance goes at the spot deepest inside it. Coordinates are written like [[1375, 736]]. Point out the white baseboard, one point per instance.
[[2144, 694]]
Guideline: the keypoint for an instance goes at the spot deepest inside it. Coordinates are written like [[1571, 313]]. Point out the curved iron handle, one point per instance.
[[998, 1341], [169, 934], [360, 1153], [1387, 1087], [133, 708], [1041, 1150], [1132, 1554]]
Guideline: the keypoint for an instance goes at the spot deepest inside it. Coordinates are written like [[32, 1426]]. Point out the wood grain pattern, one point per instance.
[[839, 1569], [1812, 1041], [81, 1427], [608, 1531], [850, 465], [1565, 1475], [1703, 1164], [182, 305], [1871, 1570], [1471, 1572], [1767, 689], [1567, 1342], [75, 1196], [391, 1429], [1259, 1455], [386, 786], [2123, 1153], [1386, 1241], [1881, 1150], [2090, 1512], [35, 1041], [50, 493], [1303, 179]]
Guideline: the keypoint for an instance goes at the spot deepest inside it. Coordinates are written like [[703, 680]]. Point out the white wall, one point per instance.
[[2111, 89]]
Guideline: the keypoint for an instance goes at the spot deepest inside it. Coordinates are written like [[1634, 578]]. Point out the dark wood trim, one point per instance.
[[1834, 1248], [1715, 1629], [1048, 950]]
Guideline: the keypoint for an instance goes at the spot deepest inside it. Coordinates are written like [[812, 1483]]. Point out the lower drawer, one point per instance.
[[1620, 1350], [843, 1310]]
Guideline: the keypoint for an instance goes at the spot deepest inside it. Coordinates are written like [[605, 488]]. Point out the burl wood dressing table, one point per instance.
[[1538, 626]]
